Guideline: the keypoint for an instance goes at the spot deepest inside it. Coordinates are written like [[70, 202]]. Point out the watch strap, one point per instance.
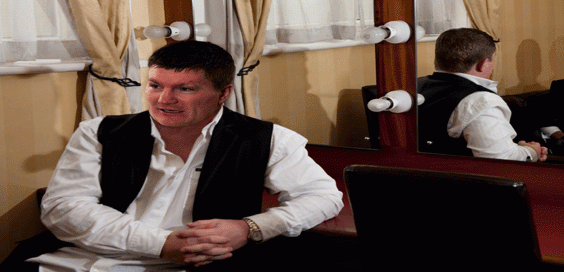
[[255, 234]]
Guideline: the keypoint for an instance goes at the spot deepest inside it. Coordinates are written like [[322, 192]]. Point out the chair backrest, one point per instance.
[[421, 218], [368, 93]]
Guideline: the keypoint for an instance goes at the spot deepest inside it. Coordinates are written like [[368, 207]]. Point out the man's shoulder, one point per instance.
[[231, 118], [483, 99], [127, 123]]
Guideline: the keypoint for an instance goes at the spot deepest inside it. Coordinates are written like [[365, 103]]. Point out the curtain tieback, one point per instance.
[[246, 70], [124, 82]]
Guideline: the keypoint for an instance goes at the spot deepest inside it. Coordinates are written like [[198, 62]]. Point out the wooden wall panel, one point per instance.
[[395, 67]]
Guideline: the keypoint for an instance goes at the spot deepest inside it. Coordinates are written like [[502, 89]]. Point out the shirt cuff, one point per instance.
[[270, 225], [549, 130], [148, 242], [532, 154]]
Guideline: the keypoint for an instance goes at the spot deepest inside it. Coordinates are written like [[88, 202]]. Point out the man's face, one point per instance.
[[183, 99]]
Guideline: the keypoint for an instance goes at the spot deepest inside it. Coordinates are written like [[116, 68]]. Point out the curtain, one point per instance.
[[252, 17], [105, 31], [235, 47], [436, 16], [31, 30], [485, 16], [307, 21]]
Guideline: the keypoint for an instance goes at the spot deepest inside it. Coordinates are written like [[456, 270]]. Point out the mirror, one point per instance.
[[530, 55]]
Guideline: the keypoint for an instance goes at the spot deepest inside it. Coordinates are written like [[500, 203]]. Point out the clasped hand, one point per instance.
[[205, 241], [542, 152]]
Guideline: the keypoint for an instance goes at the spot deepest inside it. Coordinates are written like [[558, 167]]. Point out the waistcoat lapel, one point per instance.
[[222, 142]]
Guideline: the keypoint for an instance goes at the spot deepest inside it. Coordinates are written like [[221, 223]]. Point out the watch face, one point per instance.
[[256, 236]]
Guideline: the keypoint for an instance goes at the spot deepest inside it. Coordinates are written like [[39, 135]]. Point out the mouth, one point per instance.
[[170, 111]]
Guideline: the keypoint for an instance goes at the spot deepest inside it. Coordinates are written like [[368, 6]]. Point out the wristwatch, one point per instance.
[[255, 233]]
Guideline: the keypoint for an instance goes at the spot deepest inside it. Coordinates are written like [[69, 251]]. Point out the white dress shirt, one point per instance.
[[108, 240], [482, 118]]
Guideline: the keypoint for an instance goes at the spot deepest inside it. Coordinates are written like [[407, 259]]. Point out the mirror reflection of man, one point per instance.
[[462, 113]]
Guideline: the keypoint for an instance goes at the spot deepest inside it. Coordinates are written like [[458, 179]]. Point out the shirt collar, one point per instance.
[[484, 82], [209, 128]]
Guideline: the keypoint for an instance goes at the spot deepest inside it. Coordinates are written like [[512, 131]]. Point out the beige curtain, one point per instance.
[[252, 16], [105, 31], [485, 15]]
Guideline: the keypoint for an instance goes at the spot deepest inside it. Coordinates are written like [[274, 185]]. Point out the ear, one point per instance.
[[481, 65], [225, 93]]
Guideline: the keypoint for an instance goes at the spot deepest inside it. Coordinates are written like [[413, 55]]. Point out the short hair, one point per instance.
[[457, 50], [217, 64]]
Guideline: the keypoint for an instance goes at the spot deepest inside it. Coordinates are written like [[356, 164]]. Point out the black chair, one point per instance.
[[418, 219], [368, 93]]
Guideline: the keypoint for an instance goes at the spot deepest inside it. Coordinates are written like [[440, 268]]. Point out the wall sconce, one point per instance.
[[395, 101], [392, 32], [179, 31]]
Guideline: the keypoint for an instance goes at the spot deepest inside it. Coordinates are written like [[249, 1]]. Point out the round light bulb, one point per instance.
[[419, 32], [374, 35], [379, 104], [202, 30], [155, 32]]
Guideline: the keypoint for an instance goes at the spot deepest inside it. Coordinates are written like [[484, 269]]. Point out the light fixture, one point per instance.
[[179, 31], [395, 101], [392, 32], [419, 32]]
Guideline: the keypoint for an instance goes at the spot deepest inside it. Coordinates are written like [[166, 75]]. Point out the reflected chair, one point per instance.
[[419, 219], [368, 93]]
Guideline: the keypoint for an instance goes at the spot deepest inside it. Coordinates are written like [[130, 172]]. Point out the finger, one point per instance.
[[222, 257], [188, 233], [203, 244], [202, 263], [543, 158], [202, 223], [213, 239], [196, 232], [202, 259], [207, 249]]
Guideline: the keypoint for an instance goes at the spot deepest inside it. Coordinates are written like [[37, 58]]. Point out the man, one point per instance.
[[462, 113], [180, 185]]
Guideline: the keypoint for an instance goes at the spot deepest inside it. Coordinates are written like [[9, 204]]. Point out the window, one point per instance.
[[37, 33], [436, 16], [299, 25]]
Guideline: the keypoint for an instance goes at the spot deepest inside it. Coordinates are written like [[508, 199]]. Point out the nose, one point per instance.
[[167, 96]]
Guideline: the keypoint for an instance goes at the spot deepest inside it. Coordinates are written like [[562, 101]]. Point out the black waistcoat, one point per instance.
[[232, 177], [442, 92]]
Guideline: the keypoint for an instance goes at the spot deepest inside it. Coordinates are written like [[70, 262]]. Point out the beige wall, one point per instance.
[[532, 45], [317, 93], [37, 117], [38, 114]]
